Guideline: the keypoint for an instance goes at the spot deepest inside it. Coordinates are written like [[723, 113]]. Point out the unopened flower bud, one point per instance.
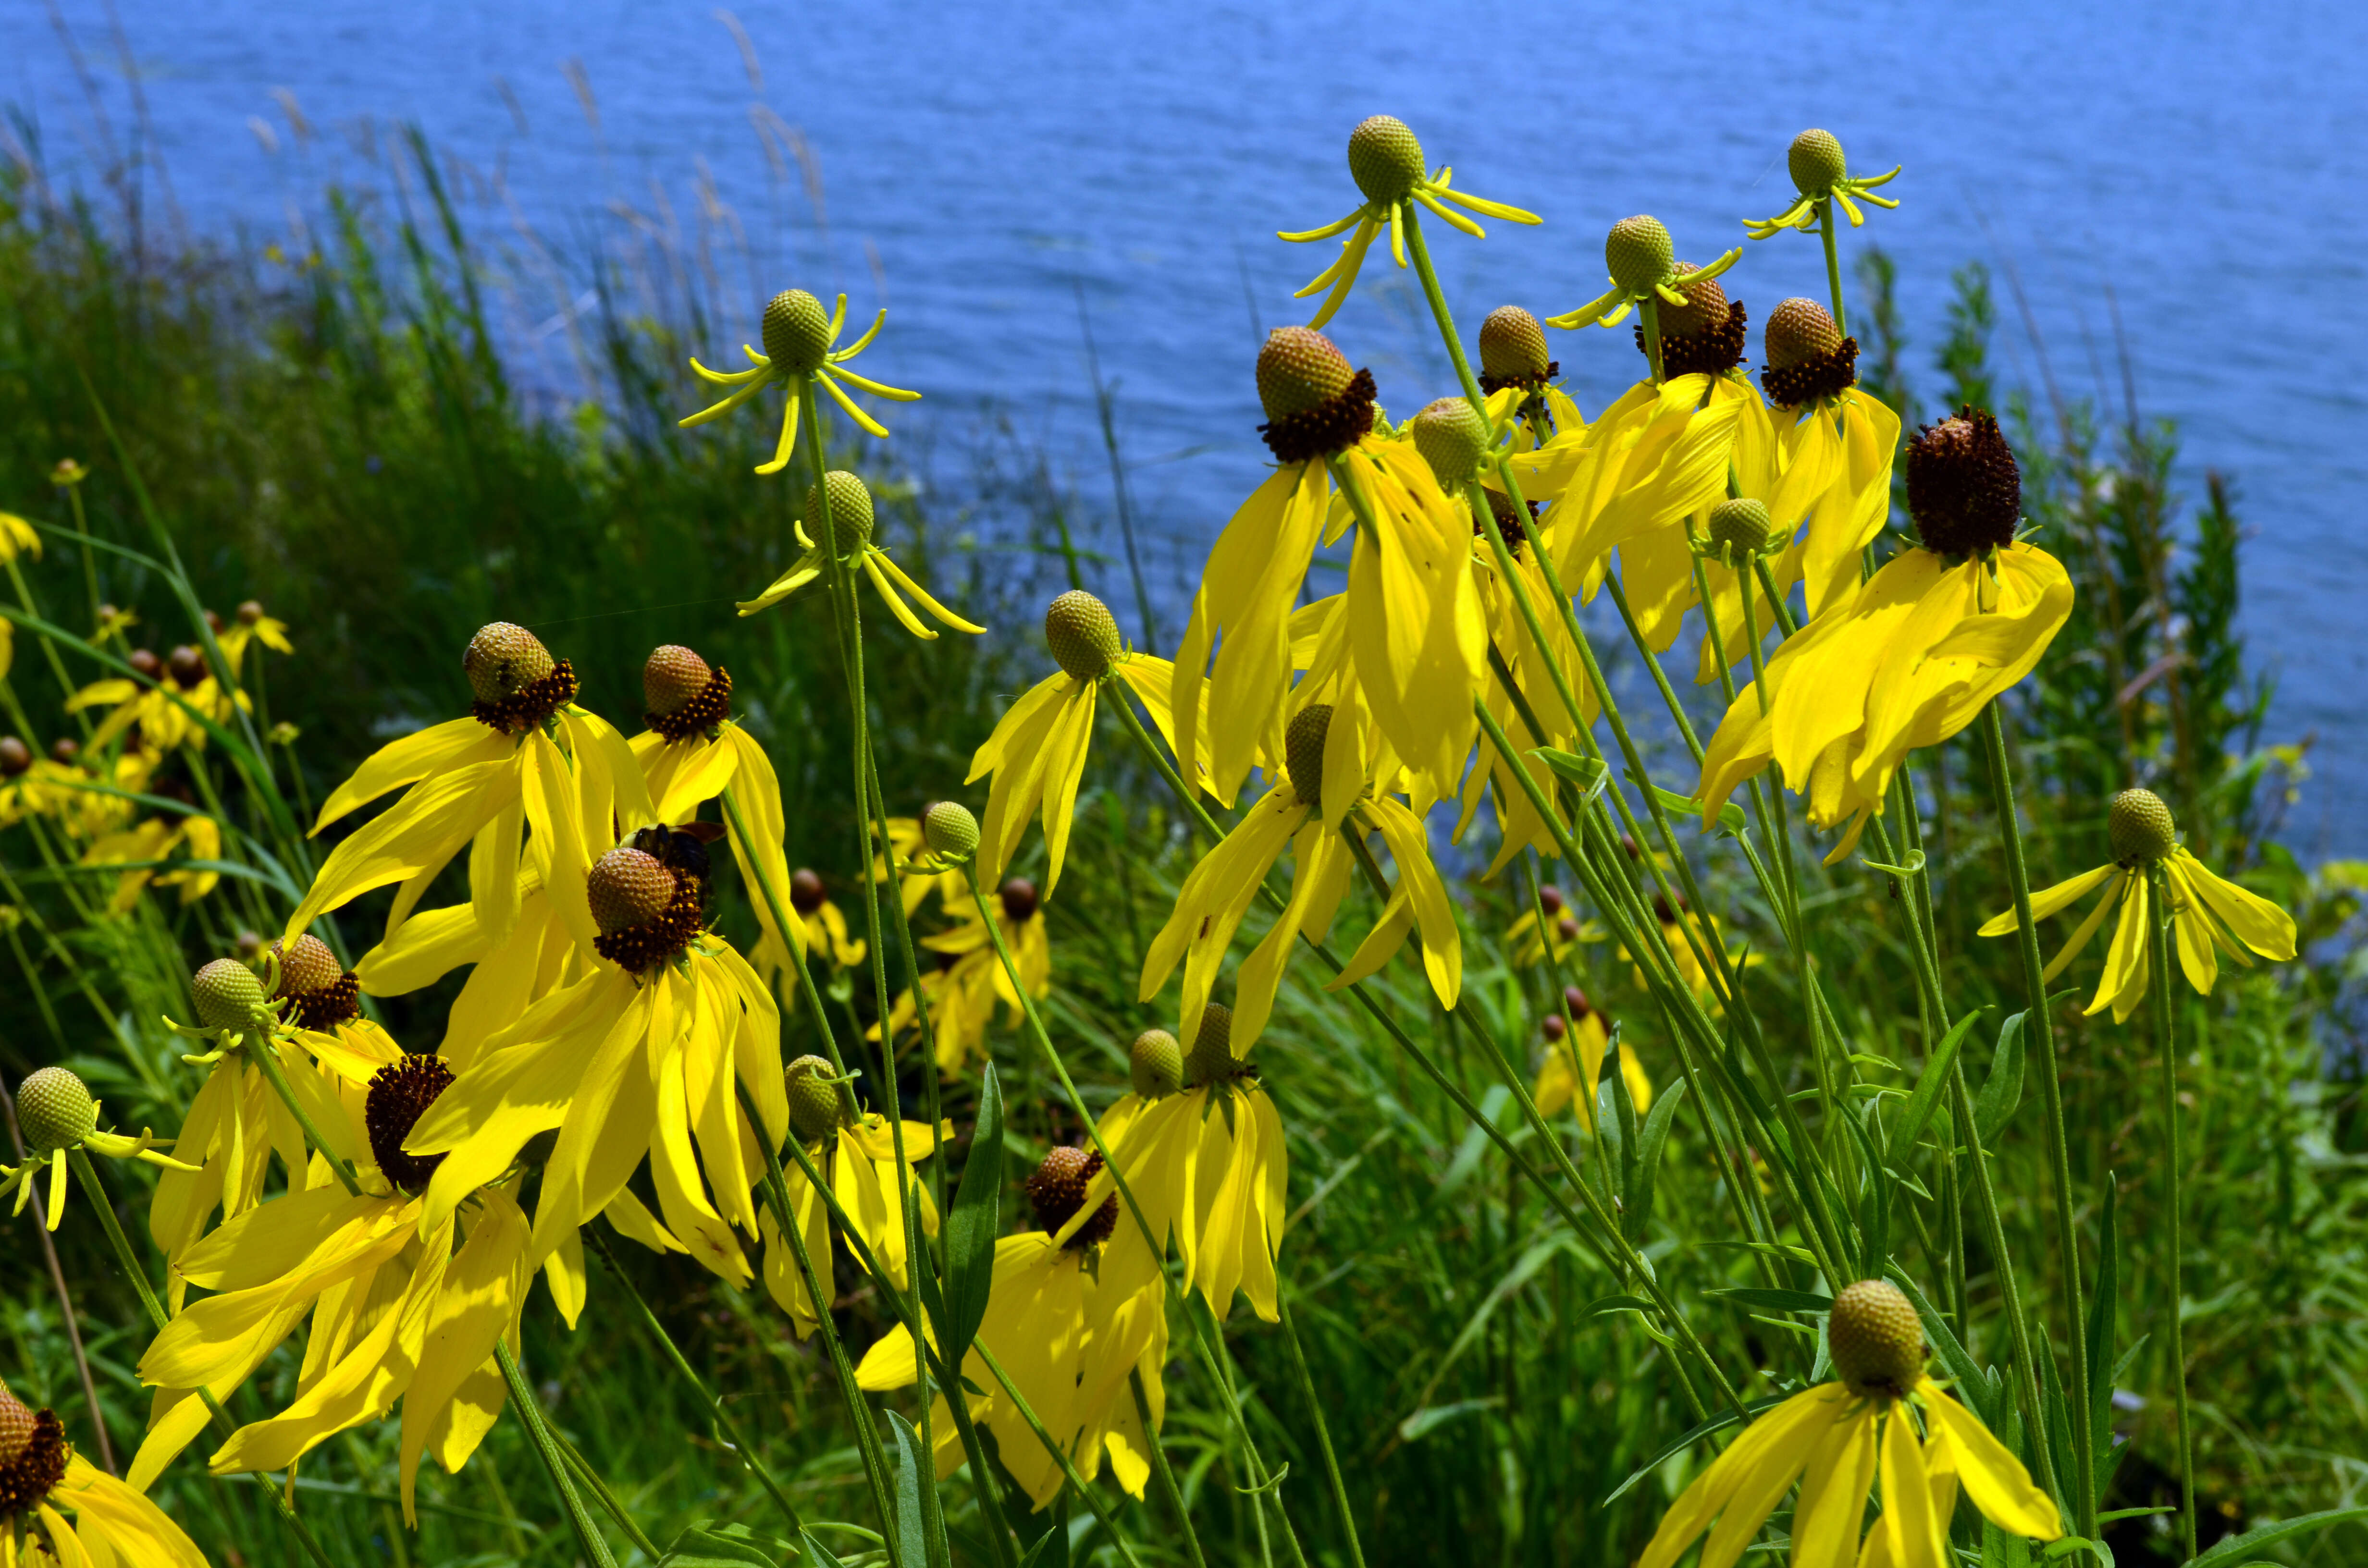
[[1019, 900], [1082, 635], [806, 892], [1740, 527], [250, 612], [227, 994], [950, 830], [2140, 827], [54, 1111], [796, 331], [1384, 159], [1816, 163], [1211, 1056], [1452, 438], [1639, 252], [850, 511], [1877, 1339], [815, 1109], [15, 756], [1155, 1064]]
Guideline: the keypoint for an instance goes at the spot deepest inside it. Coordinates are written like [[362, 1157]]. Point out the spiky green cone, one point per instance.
[[1877, 1339], [54, 1111], [1155, 1064], [1211, 1056], [227, 994], [1639, 252], [850, 511], [1384, 159], [797, 332], [1816, 163], [1082, 635], [815, 1111], [2140, 827], [950, 830]]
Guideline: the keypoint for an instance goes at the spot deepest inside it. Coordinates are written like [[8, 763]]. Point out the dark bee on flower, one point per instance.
[[682, 850]]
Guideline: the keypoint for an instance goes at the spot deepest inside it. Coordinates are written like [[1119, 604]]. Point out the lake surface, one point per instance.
[[979, 167]]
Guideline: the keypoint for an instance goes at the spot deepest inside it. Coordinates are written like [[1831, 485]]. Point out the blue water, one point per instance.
[[979, 164]]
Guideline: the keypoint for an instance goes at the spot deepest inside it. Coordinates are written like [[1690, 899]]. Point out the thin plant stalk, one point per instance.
[[1323, 1428], [587, 1534], [1159, 1469], [2166, 1044], [2042, 1029]]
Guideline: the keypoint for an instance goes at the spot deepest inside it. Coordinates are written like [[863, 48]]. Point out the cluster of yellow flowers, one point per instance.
[[606, 1030]]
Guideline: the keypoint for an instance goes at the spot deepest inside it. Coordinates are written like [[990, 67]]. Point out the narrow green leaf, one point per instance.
[[971, 1227], [1774, 1301], [1649, 1143], [1586, 772], [1615, 1304], [920, 1533], [1430, 1418], [712, 1544], [1873, 1200], [2228, 1553], [2101, 1307], [2003, 1090], [1935, 1077], [1731, 820]]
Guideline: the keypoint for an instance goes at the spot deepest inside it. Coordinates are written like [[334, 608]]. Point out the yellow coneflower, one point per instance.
[[1518, 376], [57, 1115], [1202, 1150], [639, 1057], [161, 701], [851, 526], [1067, 1319], [251, 625], [961, 995], [2209, 915], [43, 1481], [144, 850], [1909, 657], [526, 756], [1836, 441], [1037, 753], [1412, 613], [1847, 1437], [694, 750], [1820, 175], [1385, 160], [404, 1306], [17, 537], [797, 337], [859, 1160], [1533, 939], [1574, 1063], [1329, 789], [235, 1123]]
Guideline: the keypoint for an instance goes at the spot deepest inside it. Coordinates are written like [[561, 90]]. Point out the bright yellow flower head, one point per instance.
[[1516, 376], [1821, 175], [961, 991], [1333, 790], [1037, 753], [1844, 1439], [402, 1307], [1908, 658], [1205, 1158], [843, 497], [798, 338], [1386, 162], [638, 1053], [17, 537], [1067, 1318], [527, 758], [859, 1160], [43, 1481], [1574, 1063], [2208, 914], [1413, 615]]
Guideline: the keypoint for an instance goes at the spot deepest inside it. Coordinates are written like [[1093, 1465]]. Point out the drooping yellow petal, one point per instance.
[[2047, 901], [1994, 1479], [1744, 1484], [2124, 980], [456, 742], [2259, 924], [1834, 1485], [467, 1317]]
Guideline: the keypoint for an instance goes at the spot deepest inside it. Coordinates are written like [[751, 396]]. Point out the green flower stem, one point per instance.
[[595, 1546], [859, 1409], [1167, 1477], [1569, 1042], [1322, 1429], [723, 1412], [50, 1257], [1093, 1500], [89, 561], [265, 1057], [1155, 1238], [610, 1503], [57, 666], [1833, 263], [1648, 312], [782, 915], [848, 610], [930, 1104], [2041, 1029], [2165, 1043], [1823, 1244], [156, 1318]]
